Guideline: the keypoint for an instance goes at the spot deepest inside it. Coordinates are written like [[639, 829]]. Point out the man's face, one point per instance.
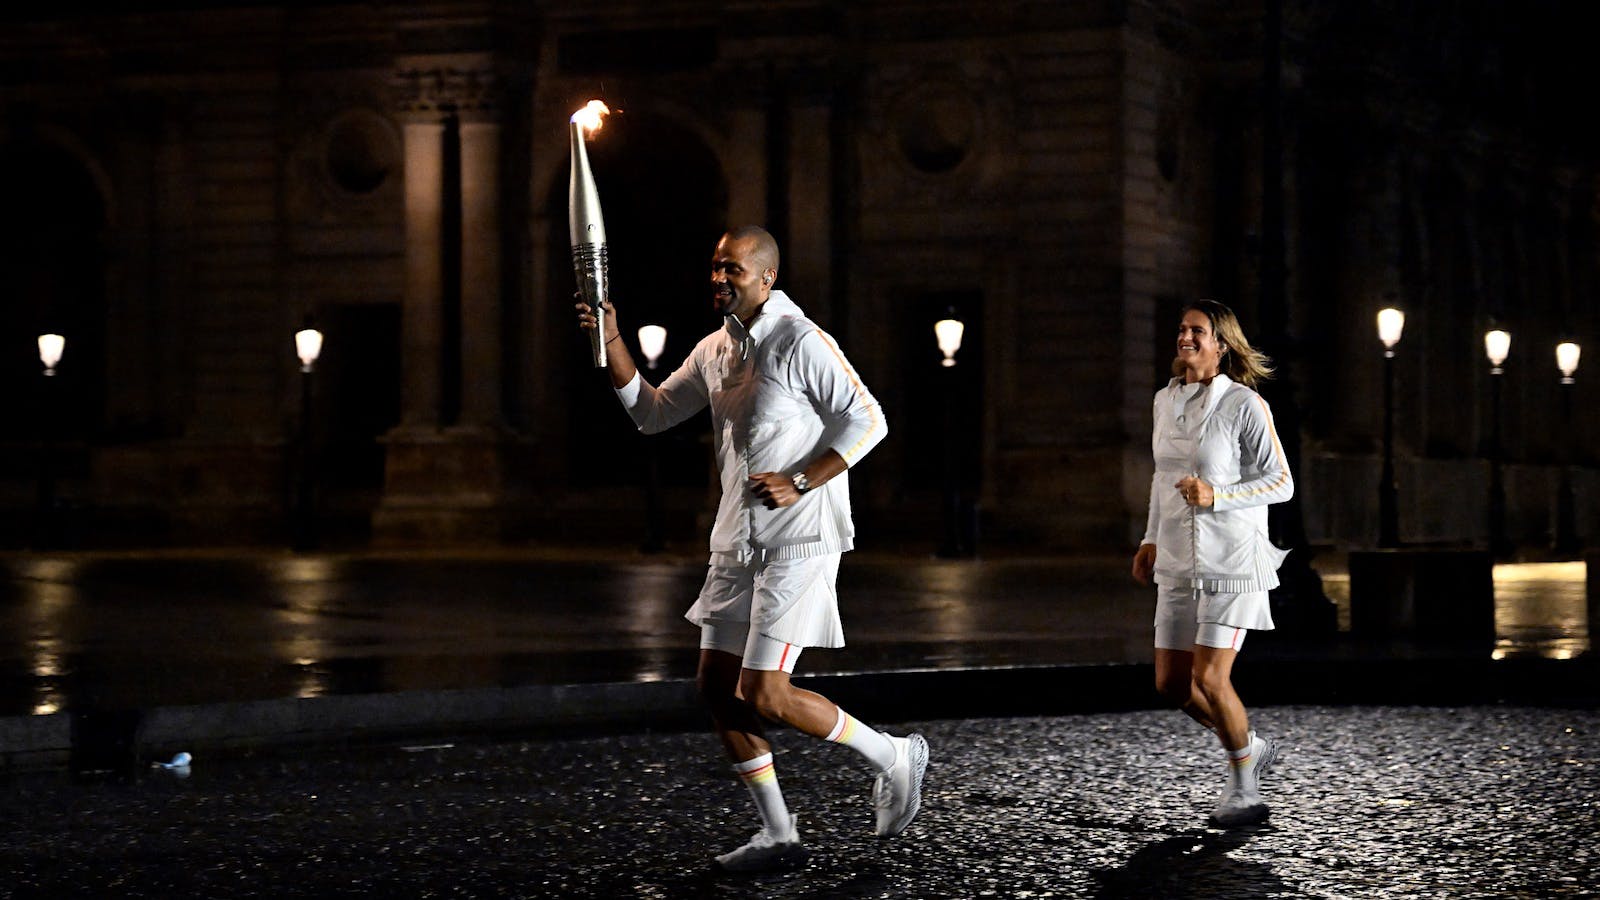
[[738, 282]]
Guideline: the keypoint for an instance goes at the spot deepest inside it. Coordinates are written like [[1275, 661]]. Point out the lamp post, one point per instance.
[[51, 348], [1496, 346], [308, 346], [1567, 353], [948, 332], [652, 340], [1391, 323]]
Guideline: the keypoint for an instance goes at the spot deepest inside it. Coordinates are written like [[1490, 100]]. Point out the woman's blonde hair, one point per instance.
[[1240, 361]]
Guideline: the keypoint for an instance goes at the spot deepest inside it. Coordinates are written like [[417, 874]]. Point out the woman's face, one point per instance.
[[1198, 349]]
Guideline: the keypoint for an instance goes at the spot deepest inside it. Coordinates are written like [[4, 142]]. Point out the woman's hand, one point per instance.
[[1144, 563], [1196, 492]]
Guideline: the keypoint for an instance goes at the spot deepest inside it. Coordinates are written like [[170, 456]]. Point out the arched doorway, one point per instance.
[[665, 204], [52, 251]]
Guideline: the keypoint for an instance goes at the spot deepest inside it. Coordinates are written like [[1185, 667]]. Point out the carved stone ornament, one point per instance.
[[447, 89], [937, 127]]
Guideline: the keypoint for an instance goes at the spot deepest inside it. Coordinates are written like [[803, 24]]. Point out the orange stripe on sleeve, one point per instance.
[[861, 393]]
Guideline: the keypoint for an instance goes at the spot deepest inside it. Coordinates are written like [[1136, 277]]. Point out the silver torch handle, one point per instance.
[[589, 264]]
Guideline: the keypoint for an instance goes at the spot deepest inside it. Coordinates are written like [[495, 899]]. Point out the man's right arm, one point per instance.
[[619, 362], [653, 409]]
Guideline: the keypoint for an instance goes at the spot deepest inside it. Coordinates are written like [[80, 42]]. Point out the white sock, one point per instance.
[[1242, 766], [874, 745], [762, 779]]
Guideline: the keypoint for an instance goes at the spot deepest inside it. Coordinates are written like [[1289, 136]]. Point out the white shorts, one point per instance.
[[1186, 617], [792, 601], [756, 649]]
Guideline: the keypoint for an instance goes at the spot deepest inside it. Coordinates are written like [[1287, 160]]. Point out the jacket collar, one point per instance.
[[1220, 385], [777, 306]]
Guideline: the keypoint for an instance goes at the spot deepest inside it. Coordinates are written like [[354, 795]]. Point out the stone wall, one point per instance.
[[1063, 175]]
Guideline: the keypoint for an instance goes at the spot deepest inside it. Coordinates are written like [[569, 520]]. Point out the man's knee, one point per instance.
[[1174, 687], [718, 681], [766, 692]]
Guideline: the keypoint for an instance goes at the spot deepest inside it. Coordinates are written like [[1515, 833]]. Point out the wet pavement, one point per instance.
[[517, 723], [111, 660], [1367, 802], [128, 631]]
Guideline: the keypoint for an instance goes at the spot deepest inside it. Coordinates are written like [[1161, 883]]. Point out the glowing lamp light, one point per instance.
[[1497, 345], [51, 346], [308, 345], [652, 340], [1567, 354], [948, 332], [1391, 323]]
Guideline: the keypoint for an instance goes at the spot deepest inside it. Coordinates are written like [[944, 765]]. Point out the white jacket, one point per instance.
[[1223, 548], [781, 394]]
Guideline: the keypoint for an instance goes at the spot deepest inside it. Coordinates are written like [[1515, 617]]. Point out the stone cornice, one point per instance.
[[448, 86]]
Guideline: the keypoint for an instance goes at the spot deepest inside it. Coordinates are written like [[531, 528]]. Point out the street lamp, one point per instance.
[[308, 346], [947, 332], [1391, 323], [652, 340], [1567, 354], [1497, 346], [51, 346]]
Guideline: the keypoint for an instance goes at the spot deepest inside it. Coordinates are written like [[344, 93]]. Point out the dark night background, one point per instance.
[[189, 183]]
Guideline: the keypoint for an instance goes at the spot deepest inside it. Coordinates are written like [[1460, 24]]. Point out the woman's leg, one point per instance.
[[1175, 681], [1213, 683]]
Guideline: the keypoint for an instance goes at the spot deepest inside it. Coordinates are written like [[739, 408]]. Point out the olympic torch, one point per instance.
[[588, 227]]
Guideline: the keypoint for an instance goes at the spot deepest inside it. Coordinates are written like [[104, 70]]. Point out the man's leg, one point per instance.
[[899, 761], [735, 720], [744, 738], [801, 595]]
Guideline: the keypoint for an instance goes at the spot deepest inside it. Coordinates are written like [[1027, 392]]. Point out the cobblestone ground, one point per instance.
[[1367, 802]]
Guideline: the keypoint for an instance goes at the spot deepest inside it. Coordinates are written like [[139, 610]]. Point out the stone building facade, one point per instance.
[[194, 182]]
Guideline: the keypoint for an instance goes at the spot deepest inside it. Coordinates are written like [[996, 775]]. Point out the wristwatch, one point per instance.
[[801, 482]]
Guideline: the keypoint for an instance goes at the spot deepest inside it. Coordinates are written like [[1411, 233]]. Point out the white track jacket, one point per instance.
[[1235, 449], [781, 393]]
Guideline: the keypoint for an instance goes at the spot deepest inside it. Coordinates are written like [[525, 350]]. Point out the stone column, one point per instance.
[[420, 325], [444, 484], [481, 314]]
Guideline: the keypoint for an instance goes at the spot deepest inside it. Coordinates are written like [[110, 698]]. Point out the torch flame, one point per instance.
[[589, 117]]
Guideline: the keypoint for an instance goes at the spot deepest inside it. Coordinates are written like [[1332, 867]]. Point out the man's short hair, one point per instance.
[[766, 245]]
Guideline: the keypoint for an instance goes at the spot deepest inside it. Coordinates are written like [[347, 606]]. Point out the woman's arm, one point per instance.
[[1260, 455]]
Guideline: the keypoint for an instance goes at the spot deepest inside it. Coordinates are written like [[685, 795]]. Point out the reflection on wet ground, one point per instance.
[[112, 632], [1540, 609]]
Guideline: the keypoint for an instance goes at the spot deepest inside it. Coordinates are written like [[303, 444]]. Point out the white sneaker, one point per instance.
[[1238, 807], [766, 851], [1263, 753], [897, 794], [1245, 807]]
